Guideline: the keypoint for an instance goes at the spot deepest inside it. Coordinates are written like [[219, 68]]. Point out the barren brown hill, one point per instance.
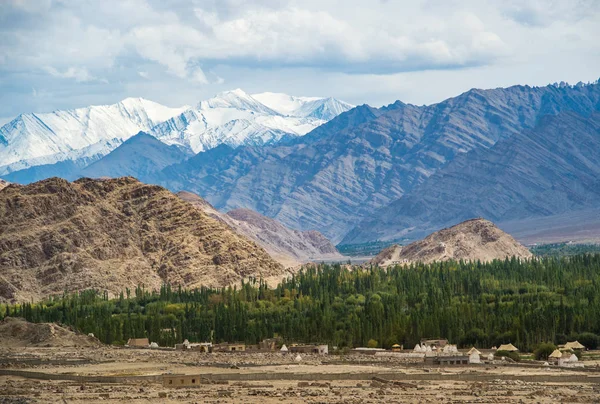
[[471, 240], [289, 247], [111, 234], [3, 184], [16, 332]]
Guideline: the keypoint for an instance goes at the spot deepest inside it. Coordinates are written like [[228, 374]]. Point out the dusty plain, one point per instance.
[[275, 378]]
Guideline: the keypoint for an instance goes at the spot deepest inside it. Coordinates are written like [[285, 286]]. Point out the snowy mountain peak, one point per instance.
[[232, 117], [154, 111], [237, 99], [33, 139], [316, 107]]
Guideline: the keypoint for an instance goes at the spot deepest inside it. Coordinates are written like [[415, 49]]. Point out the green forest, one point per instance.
[[526, 303], [564, 249]]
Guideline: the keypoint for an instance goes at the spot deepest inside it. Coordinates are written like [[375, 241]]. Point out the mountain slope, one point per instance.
[[288, 247], [52, 137], [472, 240], [550, 170], [367, 158], [139, 156], [112, 234]]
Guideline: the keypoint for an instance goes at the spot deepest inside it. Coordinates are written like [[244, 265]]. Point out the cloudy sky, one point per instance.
[[57, 54]]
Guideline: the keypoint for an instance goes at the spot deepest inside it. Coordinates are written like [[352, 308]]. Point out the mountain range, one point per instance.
[[390, 173], [549, 170], [81, 136], [367, 159]]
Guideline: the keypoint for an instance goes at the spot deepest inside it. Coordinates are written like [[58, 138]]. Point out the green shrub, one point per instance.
[[589, 340], [512, 355], [543, 351]]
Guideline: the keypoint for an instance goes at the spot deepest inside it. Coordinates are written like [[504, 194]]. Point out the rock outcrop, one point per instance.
[[471, 240], [16, 333], [287, 246], [59, 236]]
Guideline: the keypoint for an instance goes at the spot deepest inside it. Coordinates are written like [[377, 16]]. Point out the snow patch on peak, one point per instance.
[[237, 99], [154, 111]]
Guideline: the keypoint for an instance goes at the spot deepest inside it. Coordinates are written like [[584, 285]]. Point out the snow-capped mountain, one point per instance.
[[35, 139], [232, 117], [236, 118], [315, 107]]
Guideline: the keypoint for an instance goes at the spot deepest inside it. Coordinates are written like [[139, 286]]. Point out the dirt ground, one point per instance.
[[406, 387]]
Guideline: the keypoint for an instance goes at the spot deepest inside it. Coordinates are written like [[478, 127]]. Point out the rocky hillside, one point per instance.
[[551, 170], [111, 234], [287, 246], [472, 240], [367, 158], [16, 332], [3, 184]]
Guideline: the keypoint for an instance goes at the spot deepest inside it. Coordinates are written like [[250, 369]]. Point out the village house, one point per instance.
[[266, 345], [555, 356], [566, 359], [508, 348], [447, 360], [269, 344], [227, 347], [315, 349], [474, 355], [572, 346]]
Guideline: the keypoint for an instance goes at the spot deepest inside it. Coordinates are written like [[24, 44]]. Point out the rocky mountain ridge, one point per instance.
[[288, 247], [471, 240], [111, 234]]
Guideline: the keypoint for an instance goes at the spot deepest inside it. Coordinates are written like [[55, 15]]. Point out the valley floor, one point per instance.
[[65, 375]]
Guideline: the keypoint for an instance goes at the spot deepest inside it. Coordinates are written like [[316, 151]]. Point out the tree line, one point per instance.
[[471, 303]]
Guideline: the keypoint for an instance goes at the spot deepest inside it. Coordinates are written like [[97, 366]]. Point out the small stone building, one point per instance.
[[181, 380], [138, 342], [448, 360], [227, 347]]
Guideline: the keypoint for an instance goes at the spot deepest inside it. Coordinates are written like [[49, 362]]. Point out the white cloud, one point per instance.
[[79, 74], [300, 37], [543, 13], [418, 51]]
